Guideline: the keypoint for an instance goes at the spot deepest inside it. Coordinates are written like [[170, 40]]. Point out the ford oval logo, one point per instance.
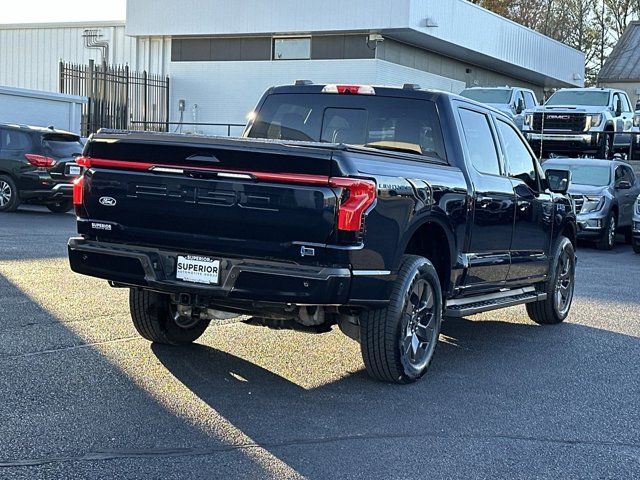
[[108, 201]]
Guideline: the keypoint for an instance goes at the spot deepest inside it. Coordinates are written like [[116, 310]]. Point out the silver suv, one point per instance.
[[582, 121], [511, 100]]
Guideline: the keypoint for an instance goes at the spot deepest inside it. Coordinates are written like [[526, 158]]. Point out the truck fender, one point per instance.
[[429, 218]]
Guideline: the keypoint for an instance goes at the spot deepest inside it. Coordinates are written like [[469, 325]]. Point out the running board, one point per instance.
[[462, 307]]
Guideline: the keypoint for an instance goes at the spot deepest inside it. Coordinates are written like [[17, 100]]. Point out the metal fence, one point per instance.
[[118, 98]]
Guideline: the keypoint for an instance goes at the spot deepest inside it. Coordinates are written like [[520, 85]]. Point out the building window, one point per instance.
[[292, 48]]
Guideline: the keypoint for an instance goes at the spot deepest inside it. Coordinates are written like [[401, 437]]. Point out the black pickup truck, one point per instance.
[[380, 210]]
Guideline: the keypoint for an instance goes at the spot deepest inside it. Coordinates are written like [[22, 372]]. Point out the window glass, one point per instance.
[[480, 142], [488, 95], [62, 146], [627, 175], [341, 125], [520, 163], [595, 175], [291, 48], [384, 123], [626, 107], [14, 141], [529, 99], [579, 97]]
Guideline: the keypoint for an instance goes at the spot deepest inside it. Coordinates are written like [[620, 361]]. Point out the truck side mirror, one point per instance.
[[623, 185], [520, 106], [618, 107], [558, 180]]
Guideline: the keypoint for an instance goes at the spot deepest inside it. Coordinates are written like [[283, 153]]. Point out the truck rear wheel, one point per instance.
[[559, 287], [398, 342], [155, 319]]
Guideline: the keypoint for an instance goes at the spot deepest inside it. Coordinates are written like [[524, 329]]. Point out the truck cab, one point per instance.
[[512, 101], [582, 121]]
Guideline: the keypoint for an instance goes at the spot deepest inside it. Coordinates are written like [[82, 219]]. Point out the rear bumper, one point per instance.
[[58, 192], [243, 282]]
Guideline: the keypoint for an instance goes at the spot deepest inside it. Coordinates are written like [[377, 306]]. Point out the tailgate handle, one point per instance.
[[203, 158]]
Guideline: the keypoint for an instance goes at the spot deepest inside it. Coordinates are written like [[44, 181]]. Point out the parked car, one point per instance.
[[603, 192], [37, 166], [513, 101], [581, 121], [636, 226], [381, 210]]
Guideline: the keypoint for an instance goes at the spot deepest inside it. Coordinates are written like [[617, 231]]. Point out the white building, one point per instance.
[[222, 55]]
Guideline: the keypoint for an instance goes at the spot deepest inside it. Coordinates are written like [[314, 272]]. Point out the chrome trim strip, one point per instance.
[[371, 273], [62, 186]]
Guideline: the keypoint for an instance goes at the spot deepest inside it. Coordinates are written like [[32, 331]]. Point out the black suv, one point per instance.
[[37, 166]]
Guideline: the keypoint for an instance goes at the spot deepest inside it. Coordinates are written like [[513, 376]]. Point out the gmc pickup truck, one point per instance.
[[380, 210], [582, 121]]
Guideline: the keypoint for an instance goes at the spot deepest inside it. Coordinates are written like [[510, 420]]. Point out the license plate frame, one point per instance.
[[73, 170], [198, 269]]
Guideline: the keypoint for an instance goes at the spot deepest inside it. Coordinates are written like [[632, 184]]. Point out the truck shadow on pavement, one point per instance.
[[490, 380]]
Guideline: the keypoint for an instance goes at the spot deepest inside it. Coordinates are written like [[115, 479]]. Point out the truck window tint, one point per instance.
[[341, 125], [480, 142], [520, 163], [407, 125]]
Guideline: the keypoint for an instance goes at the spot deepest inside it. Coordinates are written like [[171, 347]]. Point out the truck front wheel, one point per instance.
[[398, 342], [559, 288], [155, 319]]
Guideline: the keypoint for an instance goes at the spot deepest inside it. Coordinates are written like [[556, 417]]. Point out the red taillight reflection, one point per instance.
[[350, 89], [40, 161], [78, 191], [360, 196]]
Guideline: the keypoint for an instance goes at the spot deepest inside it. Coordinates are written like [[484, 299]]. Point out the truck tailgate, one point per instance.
[[239, 197]]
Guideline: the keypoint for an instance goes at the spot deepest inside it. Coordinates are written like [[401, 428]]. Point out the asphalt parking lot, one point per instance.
[[82, 396]]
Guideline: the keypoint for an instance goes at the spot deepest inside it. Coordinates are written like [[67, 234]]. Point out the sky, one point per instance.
[[31, 11]]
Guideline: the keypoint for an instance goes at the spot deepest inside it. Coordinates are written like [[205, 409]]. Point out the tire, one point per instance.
[[154, 318], [636, 247], [635, 149], [9, 198], [61, 207], [398, 342], [628, 235], [608, 239], [605, 149], [559, 288]]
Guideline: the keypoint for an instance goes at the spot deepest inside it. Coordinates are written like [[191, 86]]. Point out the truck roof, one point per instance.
[[410, 91]]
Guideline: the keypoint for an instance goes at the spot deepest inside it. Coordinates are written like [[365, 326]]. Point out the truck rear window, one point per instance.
[[62, 146], [385, 123]]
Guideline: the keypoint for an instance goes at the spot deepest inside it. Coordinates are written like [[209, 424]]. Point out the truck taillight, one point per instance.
[[83, 162], [78, 191], [350, 89], [358, 196], [40, 161]]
